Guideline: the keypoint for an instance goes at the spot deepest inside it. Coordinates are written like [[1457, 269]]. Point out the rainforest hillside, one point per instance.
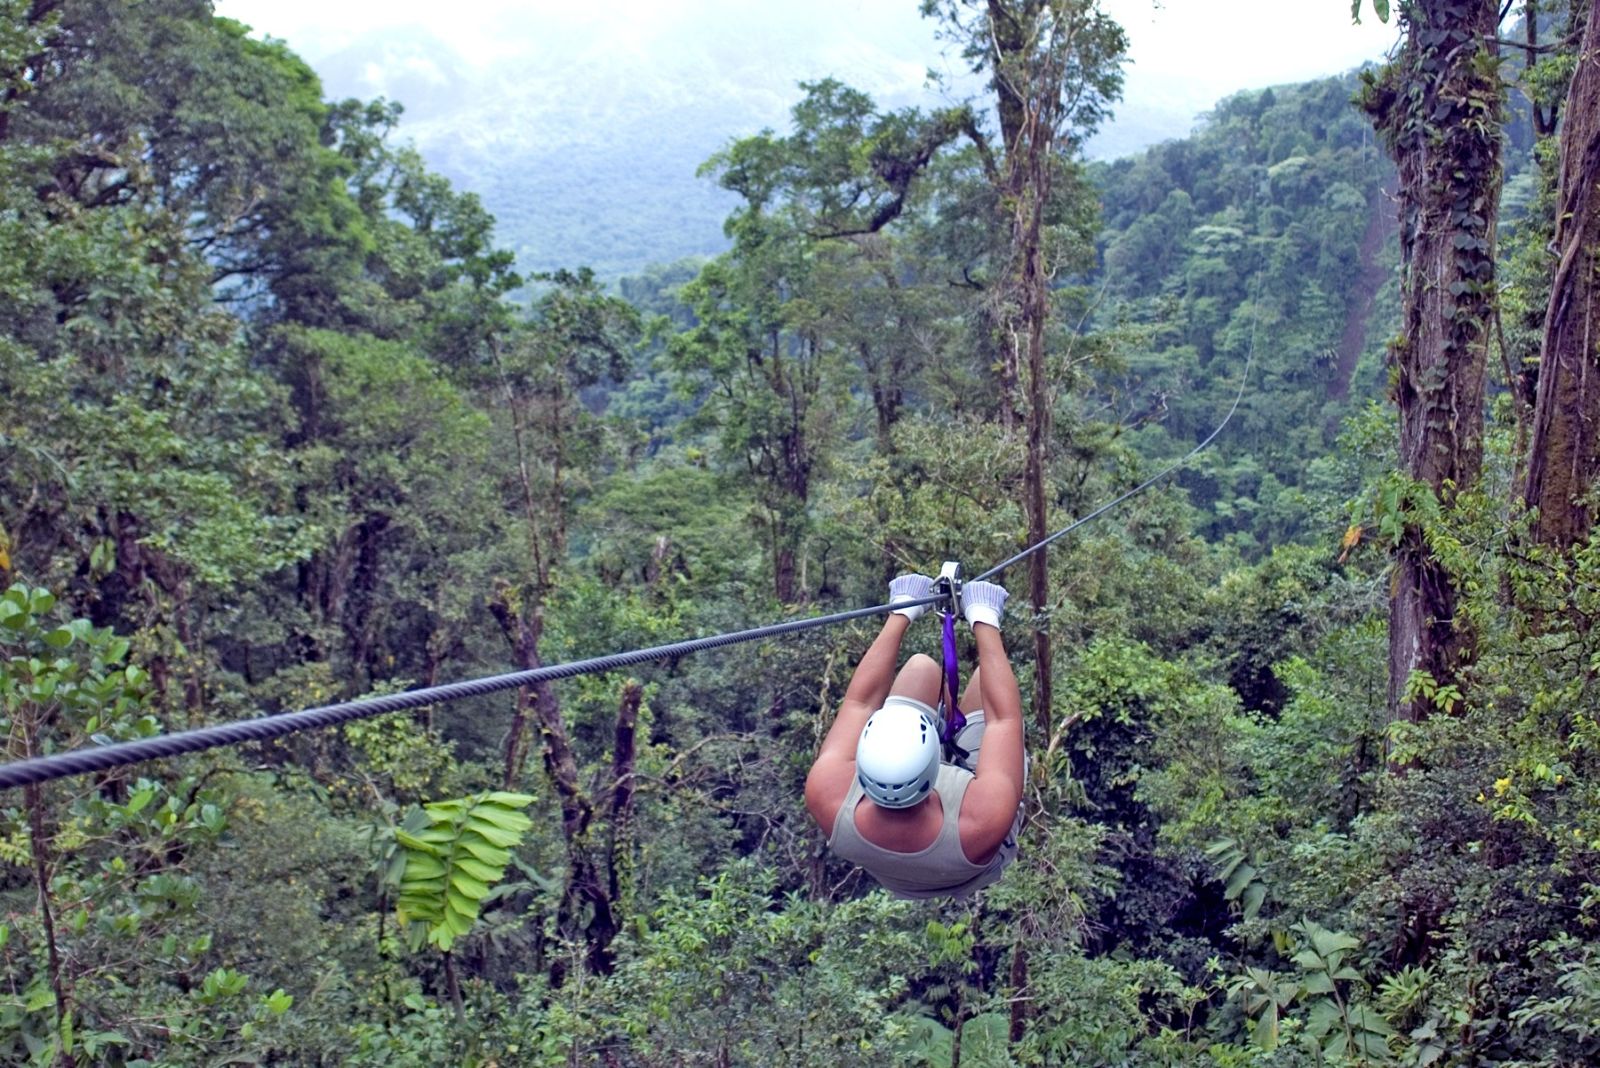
[[1311, 723]]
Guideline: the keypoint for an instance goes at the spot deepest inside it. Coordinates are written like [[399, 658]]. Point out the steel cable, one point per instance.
[[101, 758]]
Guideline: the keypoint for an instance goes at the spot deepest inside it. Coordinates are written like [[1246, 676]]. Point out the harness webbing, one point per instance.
[[954, 718]]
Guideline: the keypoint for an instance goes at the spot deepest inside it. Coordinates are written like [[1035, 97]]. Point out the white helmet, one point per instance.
[[897, 758]]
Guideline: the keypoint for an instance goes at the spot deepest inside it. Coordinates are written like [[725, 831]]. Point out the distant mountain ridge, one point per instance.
[[587, 155]]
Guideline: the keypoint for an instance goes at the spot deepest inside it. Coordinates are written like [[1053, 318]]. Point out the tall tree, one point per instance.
[[1054, 67], [1564, 458], [1438, 110], [761, 359], [850, 196], [576, 337], [155, 493]]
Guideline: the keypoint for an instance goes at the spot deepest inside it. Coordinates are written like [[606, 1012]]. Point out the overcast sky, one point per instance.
[[1203, 49]]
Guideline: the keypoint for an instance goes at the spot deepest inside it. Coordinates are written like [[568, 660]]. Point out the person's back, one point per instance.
[[922, 827], [941, 869]]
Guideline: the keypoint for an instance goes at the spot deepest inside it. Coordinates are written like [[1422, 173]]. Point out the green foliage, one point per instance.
[[720, 971], [112, 860], [277, 427], [1327, 999], [452, 853], [1379, 8], [1265, 232], [1240, 876], [1102, 1009], [1570, 1013], [768, 383], [1344, 1031], [66, 682]]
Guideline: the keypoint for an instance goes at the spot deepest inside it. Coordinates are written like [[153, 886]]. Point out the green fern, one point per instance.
[[455, 851]]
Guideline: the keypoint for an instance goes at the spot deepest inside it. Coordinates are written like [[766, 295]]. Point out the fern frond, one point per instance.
[[455, 851]]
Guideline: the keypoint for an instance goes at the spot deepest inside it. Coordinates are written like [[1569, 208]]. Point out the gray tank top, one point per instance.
[[941, 869]]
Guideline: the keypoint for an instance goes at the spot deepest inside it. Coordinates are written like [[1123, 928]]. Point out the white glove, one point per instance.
[[910, 588], [983, 602]]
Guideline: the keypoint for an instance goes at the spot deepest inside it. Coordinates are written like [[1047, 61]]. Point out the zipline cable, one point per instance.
[[101, 758]]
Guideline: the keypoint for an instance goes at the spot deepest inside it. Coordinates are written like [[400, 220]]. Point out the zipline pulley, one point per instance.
[[948, 586]]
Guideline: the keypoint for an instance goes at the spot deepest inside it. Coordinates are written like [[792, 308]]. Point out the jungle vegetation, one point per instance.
[[1315, 753]]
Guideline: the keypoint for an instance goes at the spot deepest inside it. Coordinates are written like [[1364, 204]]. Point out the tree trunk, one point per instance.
[[33, 799], [593, 887], [1036, 309], [957, 1025], [361, 610], [1028, 99], [1010, 45], [783, 569], [623, 753], [1543, 124], [522, 632], [1565, 454], [1438, 107], [453, 986], [43, 860], [1018, 980], [514, 753]]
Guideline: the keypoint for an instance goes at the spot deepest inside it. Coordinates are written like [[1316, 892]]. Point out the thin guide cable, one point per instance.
[[1244, 378]]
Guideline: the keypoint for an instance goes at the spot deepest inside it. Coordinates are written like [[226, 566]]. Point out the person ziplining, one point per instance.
[[881, 787]]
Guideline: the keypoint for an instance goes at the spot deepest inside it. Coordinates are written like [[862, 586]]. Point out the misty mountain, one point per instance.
[[586, 147]]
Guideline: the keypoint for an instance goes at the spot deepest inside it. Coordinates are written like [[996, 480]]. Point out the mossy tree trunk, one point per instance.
[[1438, 109], [1564, 457]]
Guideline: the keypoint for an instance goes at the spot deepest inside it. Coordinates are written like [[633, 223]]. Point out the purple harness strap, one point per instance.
[[954, 720]]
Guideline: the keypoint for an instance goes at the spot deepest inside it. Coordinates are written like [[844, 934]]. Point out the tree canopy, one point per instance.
[[1313, 774]]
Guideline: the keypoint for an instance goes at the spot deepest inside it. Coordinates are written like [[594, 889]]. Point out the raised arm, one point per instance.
[[1003, 732], [990, 806], [869, 685], [835, 766]]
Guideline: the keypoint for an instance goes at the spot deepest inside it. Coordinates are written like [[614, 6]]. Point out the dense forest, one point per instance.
[[1315, 758]]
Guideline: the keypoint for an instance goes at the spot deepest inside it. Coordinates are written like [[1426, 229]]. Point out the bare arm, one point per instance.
[[990, 806], [835, 765]]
